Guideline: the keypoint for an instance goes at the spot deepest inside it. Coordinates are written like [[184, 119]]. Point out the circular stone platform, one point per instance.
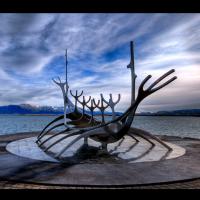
[[16, 166], [126, 149]]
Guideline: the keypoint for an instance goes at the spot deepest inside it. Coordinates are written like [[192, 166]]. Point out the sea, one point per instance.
[[157, 125]]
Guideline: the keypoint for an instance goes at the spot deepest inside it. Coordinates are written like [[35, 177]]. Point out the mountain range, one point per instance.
[[38, 110], [49, 110], [186, 112], [30, 109]]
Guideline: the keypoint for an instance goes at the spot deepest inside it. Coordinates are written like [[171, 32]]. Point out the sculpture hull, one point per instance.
[[107, 134]]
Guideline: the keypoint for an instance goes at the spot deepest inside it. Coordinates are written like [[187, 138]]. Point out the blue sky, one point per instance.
[[32, 52]]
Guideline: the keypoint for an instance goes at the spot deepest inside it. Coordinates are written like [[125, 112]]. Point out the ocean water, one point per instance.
[[177, 126]]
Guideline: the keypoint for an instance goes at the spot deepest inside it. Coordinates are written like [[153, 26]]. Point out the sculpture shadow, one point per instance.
[[88, 154]]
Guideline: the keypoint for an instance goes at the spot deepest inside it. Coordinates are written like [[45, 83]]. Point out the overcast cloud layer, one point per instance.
[[32, 49]]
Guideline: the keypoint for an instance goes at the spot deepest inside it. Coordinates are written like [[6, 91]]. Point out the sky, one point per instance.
[[32, 52]]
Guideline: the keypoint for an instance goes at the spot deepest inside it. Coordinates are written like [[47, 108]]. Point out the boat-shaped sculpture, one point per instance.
[[81, 125]]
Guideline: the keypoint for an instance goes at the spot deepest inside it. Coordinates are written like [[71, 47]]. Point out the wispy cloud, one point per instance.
[[32, 48]]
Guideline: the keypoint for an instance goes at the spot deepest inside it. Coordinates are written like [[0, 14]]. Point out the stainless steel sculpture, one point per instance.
[[84, 104], [85, 126], [133, 75], [112, 104], [102, 108], [76, 96]]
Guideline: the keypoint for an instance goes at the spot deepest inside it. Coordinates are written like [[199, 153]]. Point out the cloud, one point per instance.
[[32, 48]]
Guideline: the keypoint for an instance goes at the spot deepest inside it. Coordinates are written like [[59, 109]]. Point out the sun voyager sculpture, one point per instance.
[[77, 125]]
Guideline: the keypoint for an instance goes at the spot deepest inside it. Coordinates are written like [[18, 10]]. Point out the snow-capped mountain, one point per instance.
[[30, 109]]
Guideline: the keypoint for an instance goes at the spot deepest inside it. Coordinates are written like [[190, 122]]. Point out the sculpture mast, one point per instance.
[[66, 62], [66, 91], [133, 75]]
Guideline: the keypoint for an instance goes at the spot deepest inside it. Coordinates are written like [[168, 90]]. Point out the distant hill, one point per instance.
[[38, 110], [29, 109], [188, 112], [49, 110]]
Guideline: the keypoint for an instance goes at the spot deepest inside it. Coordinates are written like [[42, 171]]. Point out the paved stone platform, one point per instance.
[[126, 150], [22, 169]]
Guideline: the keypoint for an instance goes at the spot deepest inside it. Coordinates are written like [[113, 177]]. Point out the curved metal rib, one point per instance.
[[45, 133], [55, 120], [49, 138], [64, 137], [83, 135]]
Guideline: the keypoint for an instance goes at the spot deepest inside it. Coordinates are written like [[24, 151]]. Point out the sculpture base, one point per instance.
[[127, 150], [107, 173]]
